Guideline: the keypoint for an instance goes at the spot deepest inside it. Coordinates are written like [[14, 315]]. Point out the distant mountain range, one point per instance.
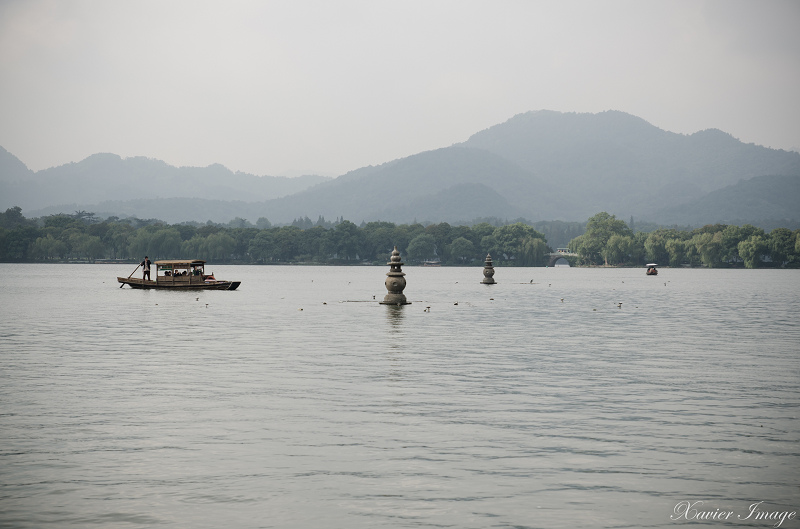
[[539, 165], [109, 179]]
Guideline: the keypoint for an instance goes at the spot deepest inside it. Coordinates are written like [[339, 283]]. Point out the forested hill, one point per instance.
[[770, 201], [624, 163], [451, 184], [551, 165], [108, 177], [539, 165], [11, 168]]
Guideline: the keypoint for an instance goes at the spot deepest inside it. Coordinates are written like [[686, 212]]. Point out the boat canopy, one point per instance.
[[648, 265], [180, 263]]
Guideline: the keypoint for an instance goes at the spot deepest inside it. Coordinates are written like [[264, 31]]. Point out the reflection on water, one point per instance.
[[559, 397], [394, 315]]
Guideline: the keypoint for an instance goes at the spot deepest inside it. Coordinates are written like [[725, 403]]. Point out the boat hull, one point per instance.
[[207, 285]]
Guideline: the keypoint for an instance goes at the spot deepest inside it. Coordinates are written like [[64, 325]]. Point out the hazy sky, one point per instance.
[[281, 87]]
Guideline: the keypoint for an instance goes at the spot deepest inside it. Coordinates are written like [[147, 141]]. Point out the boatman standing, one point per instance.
[[146, 267]]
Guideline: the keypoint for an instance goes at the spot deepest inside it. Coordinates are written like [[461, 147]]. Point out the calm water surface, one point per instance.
[[537, 402]]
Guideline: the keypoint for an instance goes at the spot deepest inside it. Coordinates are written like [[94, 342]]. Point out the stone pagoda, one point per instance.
[[395, 282], [488, 271]]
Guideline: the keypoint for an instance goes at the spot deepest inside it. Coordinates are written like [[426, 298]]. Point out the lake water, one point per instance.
[[299, 402]]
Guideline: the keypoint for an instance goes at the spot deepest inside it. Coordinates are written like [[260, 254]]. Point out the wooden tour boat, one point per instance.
[[180, 275], [652, 270]]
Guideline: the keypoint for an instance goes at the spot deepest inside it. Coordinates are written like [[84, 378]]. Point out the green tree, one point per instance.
[[422, 247], [490, 245], [286, 243], [692, 255], [139, 245], [261, 246], [512, 241], [18, 241], [441, 236], [62, 221], [156, 241], [165, 243], [781, 245], [479, 231], [599, 229], [617, 249], [242, 236], [311, 244], [194, 248], [187, 231], [655, 247], [117, 239], [219, 246], [709, 248], [637, 250], [239, 222], [731, 236], [86, 246], [676, 250], [531, 251], [462, 250], [346, 240], [752, 249], [12, 218], [379, 240], [797, 243], [48, 248], [402, 236]]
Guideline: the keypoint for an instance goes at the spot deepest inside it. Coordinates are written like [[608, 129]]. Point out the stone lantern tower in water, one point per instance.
[[488, 271], [395, 282]]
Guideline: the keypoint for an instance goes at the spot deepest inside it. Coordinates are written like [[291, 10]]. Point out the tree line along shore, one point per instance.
[[603, 240]]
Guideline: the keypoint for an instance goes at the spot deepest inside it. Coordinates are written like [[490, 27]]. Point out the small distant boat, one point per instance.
[[180, 275], [652, 270], [432, 263]]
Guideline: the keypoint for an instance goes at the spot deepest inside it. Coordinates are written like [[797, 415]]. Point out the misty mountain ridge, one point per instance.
[[745, 202], [624, 163], [393, 191], [540, 165], [108, 177]]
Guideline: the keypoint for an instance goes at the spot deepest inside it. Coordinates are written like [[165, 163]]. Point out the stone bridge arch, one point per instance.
[[552, 258]]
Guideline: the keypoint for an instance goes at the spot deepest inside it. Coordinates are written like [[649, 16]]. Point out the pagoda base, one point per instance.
[[395, 299]]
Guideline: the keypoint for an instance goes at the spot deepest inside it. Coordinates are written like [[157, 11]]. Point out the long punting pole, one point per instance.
[[134, 271]]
